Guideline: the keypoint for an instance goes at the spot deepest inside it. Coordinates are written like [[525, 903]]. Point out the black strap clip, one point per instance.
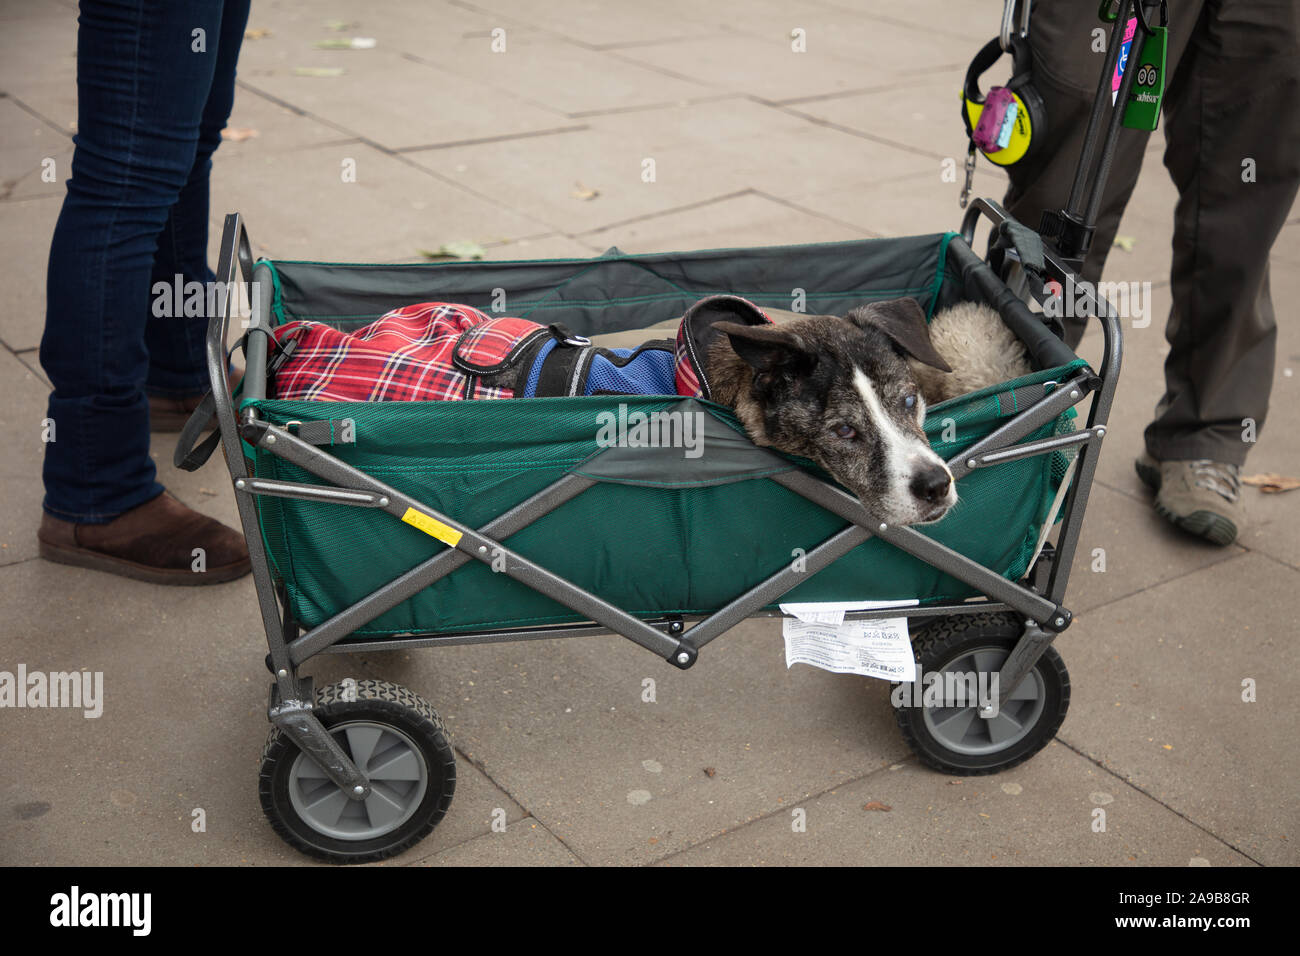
[[283, 351], [563, 335]]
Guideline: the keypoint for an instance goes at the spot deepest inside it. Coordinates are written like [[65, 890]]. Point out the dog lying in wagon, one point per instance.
[[848, 393]]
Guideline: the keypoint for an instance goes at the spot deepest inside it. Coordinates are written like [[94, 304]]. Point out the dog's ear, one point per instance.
[[768, 348], [904, 322]]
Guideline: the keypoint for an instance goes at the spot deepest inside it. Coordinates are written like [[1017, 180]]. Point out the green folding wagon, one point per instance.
[[383, 525], [394, 525]]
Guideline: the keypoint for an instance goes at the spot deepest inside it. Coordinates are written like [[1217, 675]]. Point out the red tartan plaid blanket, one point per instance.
[[405, 355], [438, 351]]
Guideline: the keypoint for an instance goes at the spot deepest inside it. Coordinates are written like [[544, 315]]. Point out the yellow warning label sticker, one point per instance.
[[432, 527]]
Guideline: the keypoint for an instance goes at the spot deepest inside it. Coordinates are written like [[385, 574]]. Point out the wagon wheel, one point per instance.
[[397, 740], [949, 734]]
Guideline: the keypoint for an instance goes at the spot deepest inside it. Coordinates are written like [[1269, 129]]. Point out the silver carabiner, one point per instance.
[[970, 177], [1008, 20]]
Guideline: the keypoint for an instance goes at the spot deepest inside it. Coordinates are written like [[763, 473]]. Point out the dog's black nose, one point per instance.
[[931, 484]]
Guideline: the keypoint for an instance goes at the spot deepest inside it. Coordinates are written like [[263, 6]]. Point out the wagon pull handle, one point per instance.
[[189, 456]]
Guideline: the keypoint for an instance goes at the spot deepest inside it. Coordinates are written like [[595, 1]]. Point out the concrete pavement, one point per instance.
[[753, 144]]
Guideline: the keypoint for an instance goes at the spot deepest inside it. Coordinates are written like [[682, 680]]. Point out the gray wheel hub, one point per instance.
[[957, 724], [398, 776]]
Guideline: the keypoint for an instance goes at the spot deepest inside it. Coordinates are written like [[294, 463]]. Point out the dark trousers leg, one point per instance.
[[1233, 129], [1067, 67]]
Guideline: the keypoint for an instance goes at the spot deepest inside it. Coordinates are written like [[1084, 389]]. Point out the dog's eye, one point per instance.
[[846, 431], [909, 403]]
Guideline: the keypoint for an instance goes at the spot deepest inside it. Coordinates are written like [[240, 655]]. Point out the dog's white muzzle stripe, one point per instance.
[[902, 451]]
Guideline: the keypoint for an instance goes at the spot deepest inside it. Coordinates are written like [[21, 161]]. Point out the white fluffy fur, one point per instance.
[[980, 349]]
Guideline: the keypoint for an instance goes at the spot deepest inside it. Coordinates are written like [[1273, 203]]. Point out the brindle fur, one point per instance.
[[793, 385]]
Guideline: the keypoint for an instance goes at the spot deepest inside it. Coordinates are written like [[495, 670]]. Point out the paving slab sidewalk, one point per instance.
[[753, 143]]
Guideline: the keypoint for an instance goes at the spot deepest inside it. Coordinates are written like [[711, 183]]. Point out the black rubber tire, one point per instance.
[[380, 702], [948, 640]]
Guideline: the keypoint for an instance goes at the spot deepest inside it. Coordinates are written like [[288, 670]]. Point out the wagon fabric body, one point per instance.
[[659, 532]]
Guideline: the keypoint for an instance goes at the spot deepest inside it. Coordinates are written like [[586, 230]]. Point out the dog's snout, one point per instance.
[[931, 484]]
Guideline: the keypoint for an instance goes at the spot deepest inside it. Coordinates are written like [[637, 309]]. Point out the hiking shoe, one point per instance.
[[1148, 470], [1201, 496], [156, 541]]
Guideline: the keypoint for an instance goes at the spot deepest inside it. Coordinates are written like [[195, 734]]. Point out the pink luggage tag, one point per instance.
[[1121, 61], [988, 131]]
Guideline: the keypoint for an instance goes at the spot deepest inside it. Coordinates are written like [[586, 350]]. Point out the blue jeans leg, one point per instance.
[[177, 360], [145, 71]]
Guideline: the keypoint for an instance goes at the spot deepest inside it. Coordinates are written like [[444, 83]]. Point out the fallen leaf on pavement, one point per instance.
[[709, 771], [457, 249], [1124, 242], [343, 43], [1272, 484], [237, 134], [256, 33], [877, 805], [582, 192]]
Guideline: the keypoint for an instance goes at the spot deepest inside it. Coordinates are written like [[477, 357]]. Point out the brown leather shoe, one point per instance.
[[169, 414], [152, 542]]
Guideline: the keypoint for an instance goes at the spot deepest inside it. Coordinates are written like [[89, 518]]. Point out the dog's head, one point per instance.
[[839, 391]]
